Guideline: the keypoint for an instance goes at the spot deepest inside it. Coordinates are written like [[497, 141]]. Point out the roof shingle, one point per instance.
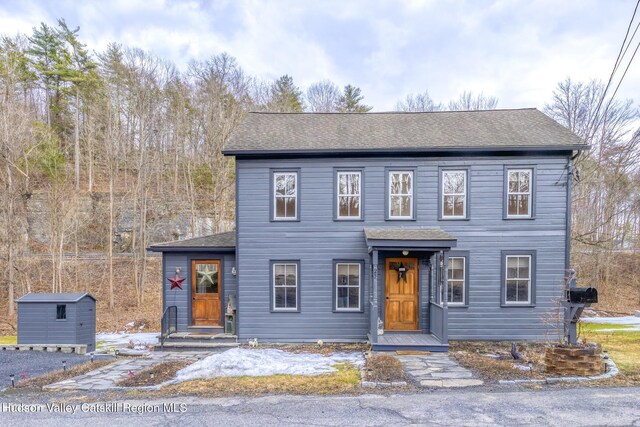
[[226, 240], [437, 131], [407, 234]]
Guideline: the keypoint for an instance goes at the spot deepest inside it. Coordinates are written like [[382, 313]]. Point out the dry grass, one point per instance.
[[155, 375], [384, 368], [473, 355], [346, 380], [36, 383]]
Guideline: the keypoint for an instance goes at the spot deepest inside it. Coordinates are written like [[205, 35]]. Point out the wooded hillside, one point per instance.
[[104, 153]]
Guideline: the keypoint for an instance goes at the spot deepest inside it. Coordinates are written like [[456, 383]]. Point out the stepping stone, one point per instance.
[[448, 375], [431, 383]]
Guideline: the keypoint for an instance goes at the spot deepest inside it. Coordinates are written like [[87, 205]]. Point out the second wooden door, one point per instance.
[[401, 294]]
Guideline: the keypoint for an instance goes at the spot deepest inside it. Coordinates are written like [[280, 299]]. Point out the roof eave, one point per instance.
[[384, 151], [191, 248]]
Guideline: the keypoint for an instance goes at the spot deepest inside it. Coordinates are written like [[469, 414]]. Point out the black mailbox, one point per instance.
[[582, 295]]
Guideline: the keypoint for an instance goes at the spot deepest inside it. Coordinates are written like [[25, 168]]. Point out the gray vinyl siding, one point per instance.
[[182, 297], [37, 323], [317, 239]]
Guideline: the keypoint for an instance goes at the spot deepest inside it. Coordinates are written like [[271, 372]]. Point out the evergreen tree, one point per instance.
[[286, 97], [350, 101]]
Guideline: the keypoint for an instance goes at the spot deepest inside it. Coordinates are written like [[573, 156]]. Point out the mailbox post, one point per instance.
[[574, 302]]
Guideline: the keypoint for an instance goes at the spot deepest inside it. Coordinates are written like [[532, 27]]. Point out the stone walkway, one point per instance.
[[108, 376], [437, 370]]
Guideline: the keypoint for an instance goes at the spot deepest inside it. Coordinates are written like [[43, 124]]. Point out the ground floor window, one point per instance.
[[285, 286], [456, 280], [348, 286], [518, 277]]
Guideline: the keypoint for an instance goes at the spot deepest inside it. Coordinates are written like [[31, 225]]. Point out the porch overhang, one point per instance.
[[405, 238]]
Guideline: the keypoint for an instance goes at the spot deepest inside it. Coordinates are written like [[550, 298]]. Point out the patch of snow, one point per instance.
[[264, 362], [521, 367], [111, 341], [632, 321], [493, 356]]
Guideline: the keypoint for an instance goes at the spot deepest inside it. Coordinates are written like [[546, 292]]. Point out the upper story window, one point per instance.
[[400, 194], [454, 194], [285, 196], [349, 193], [519, 193]]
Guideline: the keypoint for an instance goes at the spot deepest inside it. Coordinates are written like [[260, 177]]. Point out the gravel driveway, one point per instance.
[[34, 363]]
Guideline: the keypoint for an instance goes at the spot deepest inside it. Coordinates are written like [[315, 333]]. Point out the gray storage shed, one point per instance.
[[65, 318]]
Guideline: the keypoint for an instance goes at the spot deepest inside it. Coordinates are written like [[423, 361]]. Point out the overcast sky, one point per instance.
[[515, 50]]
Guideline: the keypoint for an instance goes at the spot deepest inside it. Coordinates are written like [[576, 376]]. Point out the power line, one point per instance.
[[621, 53]]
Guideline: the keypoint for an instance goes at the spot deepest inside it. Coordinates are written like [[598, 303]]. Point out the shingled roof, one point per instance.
[[414, 233], [220, 241], [521, 129]]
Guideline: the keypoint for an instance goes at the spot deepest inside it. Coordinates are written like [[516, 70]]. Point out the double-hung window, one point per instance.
[[454, 194], [456, 280], [285, 286], [519, 193], [349, 194], [285, 196], [401, 195], [518, 279], [348, 286]]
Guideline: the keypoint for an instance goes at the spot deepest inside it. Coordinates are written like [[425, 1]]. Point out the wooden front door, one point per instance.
[[401, 294], [206, 292]]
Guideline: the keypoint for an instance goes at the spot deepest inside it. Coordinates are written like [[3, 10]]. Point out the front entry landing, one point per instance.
[[401, 294]]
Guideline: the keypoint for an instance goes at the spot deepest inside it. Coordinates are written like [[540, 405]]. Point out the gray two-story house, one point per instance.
[[403, 229]]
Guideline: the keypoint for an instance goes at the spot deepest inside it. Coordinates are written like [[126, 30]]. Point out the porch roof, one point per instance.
[[409, 238], [219, 242]]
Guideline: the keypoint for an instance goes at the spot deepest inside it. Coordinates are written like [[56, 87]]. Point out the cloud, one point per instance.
[[515, 50]]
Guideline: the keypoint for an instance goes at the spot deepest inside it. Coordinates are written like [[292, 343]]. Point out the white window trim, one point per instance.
[[464, 194], [410, 195], [359, 195], [277, 196], [516, 193], [464, 280], [348, 286], [506, 279], [273, 285]]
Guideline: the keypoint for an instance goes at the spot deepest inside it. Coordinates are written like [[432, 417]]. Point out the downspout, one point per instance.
[[567, 237]]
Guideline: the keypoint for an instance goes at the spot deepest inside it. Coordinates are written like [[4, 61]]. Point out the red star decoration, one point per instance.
[[176, 281]]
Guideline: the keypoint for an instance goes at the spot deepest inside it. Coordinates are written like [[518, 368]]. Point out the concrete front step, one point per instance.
[[206, 329], [201, 337]]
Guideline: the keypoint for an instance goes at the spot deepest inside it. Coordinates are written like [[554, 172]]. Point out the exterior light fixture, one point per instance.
[[64, 365], [13, 380], [178, 270], [405, 252], [234, 272]]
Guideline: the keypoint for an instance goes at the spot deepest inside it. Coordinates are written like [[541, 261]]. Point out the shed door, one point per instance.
[[401, 294], [206, 291]]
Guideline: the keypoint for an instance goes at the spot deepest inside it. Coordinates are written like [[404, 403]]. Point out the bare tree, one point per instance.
[[323, 97], [420, 102], [470, 101]]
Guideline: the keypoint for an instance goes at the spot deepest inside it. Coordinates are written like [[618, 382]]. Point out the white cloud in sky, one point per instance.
[[515, 50]]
